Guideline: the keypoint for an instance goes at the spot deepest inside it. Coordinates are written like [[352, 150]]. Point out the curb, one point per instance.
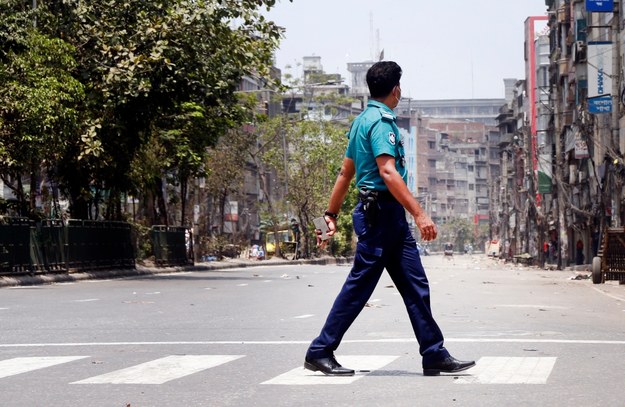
[[140, 271]]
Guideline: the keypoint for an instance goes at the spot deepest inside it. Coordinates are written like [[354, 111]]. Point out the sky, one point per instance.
[[452, 49]]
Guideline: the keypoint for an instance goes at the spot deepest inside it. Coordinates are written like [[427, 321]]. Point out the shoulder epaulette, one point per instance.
[[388, 117]]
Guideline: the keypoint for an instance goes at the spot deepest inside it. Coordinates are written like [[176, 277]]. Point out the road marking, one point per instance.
[[87, 300], [530, 306], [174, 273], [304, 316], [162, 370], [242, 285], [307, 342], [509, 370], [362, 364], [609, 295], [1, 309], [11, 367]]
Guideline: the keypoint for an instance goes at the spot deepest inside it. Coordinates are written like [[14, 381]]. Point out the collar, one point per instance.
[[386, 111]]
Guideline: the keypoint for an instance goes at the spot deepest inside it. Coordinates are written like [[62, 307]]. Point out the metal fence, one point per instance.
[[92, 245], [16, 245], [173, 246], [54, 246]]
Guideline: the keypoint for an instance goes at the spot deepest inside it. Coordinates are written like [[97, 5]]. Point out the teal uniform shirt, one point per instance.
[[374, 133]]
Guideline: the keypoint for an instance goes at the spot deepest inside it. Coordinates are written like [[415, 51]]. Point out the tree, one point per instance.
[[146, 68], [226, 164], [267, 155], [39, 105], [457, 231], [315, 155]]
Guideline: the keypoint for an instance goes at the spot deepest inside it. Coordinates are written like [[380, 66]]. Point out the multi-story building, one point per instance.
[[471, 110], [563, 135], [457, 154], [585, 124]]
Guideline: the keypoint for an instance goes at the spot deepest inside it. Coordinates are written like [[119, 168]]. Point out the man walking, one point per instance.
[[375, 155]]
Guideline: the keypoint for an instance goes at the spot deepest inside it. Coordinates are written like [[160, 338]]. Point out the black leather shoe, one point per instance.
[[327, 366], [447, 365]]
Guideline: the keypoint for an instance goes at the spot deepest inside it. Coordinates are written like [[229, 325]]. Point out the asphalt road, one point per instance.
[[238, 338]]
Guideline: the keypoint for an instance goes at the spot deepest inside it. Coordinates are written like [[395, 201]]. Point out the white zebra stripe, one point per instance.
[[362, 364], [11, 367], [509, 370], [161, 370]]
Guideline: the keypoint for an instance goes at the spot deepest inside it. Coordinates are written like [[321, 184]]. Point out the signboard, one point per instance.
[[545, 173], [600, 6], [581, 148], [232, 211], [599, 77]]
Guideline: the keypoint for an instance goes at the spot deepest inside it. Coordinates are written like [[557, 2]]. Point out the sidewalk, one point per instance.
[[62, 277]]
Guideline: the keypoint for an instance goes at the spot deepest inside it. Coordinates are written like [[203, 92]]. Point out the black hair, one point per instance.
[[382, 77]]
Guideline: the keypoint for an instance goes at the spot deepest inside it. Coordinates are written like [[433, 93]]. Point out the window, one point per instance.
[[431, 145], [432, 163]]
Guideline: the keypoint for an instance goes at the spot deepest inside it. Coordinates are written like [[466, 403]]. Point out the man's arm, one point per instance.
[[339, 191], [396, 185]]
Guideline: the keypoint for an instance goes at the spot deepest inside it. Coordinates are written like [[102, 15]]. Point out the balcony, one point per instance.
[[506, 139]]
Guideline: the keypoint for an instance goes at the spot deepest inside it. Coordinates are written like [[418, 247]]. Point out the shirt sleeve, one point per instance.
[[383, 139]]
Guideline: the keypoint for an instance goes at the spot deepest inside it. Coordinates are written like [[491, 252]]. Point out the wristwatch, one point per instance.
[[331, 214]]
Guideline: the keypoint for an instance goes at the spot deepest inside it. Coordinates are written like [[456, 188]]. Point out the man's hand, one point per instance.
[[332, 226], [426, 227]]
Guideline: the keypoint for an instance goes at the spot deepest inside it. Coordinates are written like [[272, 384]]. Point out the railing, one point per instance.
[[172, 246], [92, 245], [54, 246]]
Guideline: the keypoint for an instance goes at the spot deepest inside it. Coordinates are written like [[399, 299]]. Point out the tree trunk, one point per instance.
[[184, 187], [33, 187], [161, 215]]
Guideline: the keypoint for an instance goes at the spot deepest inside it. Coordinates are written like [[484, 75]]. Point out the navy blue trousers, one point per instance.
[[388, 244]]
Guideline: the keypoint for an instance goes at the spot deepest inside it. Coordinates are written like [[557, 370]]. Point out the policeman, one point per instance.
[[375, 155]]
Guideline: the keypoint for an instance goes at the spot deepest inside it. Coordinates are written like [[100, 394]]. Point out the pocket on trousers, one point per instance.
[[370, 249], [359, 221]]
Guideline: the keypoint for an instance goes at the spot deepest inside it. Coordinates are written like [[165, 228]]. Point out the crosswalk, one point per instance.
[[488, 370]]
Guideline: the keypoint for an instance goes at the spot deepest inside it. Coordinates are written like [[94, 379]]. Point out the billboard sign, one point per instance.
[[599, 77], [600, 6]]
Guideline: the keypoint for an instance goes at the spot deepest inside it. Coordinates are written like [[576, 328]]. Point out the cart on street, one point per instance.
[[610, 261]]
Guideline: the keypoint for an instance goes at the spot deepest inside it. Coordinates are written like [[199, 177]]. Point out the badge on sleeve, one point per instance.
[[391, 138]]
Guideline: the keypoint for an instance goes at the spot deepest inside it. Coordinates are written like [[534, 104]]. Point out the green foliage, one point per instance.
[[142, 241], [457, 231], [306, 155], [40, 102], [98, 82]]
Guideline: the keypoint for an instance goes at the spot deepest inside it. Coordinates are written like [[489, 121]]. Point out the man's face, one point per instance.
[[397, 94]]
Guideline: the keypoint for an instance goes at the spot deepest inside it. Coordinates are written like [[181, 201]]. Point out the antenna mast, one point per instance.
[[371, 40]]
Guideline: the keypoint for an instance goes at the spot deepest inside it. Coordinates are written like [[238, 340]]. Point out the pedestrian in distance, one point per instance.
[[375, 156]]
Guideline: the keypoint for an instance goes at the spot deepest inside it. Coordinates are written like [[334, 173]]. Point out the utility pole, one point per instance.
[[616, 189]]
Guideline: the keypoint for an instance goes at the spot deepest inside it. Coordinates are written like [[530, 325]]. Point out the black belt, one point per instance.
[[364, 194]]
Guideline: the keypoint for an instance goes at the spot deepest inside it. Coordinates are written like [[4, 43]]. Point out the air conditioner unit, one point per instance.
[[580, 51]]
